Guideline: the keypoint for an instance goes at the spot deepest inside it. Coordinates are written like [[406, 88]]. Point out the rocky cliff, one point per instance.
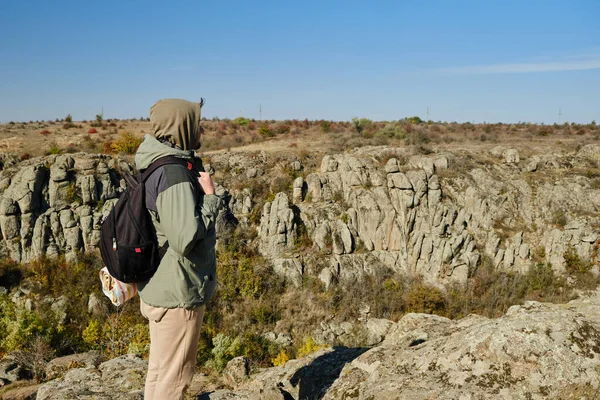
[[360, 212], [54, 205]]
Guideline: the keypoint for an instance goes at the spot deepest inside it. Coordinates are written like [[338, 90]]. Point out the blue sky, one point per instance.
[[495, 61]]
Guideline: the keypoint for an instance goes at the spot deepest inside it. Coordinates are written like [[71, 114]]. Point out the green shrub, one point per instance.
[[242, 121], [493, 291], [126, 143], [55, 278], [124, 331], [224, 349], [574, 263], [92, 334], [360, 125], [58, 276], [264, 313], [73, 194], [22, 327], [581, 270], [540, 277], [559, 218], [265, 131], [392, 131], [422, 298], [490, 291], [308, 347], [257, 349], [7, 318], [140, 342], [205, 346], [417, 138], [54, 149], [113, 332], [538, 254], [239, 277]]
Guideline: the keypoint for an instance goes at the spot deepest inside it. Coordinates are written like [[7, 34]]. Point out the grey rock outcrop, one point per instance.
[[10, 370], [120, 378], [369, 332], [536, 351], [236, 372], [511, 156], [277, 227], [306, 378], [59, 366], [371, 210], [53, 205], [398, 216]]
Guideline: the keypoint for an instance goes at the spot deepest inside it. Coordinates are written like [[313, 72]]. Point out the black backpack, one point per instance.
[[128, 242]]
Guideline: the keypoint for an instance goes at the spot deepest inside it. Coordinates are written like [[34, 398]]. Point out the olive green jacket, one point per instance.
[[185, 217]]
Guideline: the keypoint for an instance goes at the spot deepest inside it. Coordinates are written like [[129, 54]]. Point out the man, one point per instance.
[[184, 208]]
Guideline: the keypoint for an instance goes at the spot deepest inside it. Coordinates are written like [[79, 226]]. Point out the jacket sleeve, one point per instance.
[[182, 221]]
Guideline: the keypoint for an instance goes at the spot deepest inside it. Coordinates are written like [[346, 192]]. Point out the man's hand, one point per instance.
[[206, 183]]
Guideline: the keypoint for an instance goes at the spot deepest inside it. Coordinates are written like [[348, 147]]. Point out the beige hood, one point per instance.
[[177, 121]]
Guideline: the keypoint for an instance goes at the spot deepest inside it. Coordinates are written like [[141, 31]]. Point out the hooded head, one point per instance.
[[177, 121]]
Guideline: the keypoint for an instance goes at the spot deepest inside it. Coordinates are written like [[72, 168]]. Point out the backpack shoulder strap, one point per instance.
[[164, 161], [145, 174]]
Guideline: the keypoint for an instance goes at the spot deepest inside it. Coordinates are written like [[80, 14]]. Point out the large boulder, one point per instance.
[[536, 351], [120, 378], [59, 366]]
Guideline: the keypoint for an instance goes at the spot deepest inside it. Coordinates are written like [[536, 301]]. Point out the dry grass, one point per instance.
[[321, 136]]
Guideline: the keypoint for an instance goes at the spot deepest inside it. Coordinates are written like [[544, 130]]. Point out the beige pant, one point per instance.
[[174, 334]]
